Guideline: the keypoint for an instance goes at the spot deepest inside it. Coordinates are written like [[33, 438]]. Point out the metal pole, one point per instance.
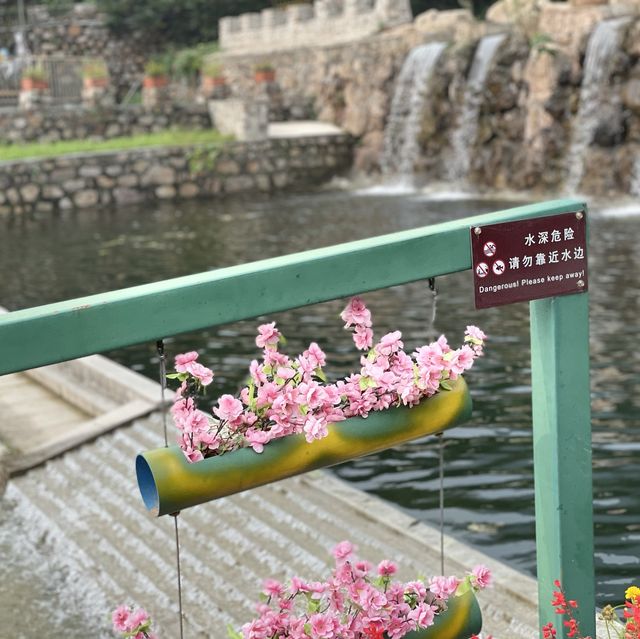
[[562, 456], [22, 20]]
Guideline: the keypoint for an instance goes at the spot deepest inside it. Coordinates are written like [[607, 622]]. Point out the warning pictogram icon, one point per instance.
[[499, 267], [482, 270], [490, 249]]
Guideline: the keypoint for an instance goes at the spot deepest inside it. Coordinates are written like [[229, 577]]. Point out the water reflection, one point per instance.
[[489, 483]]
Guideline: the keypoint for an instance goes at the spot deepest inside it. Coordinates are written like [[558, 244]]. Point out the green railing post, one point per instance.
[[562, 455]]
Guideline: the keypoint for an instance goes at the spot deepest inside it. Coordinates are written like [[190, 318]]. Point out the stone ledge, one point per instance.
[[307, 155]]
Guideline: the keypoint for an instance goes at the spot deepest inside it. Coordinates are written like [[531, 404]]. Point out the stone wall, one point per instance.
[[83, 33], [527, 118], [75, 123], [351, 85], [315, 24], [81, 181]]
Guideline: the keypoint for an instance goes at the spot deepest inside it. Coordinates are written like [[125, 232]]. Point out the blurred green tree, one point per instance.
[[191, 21], [175, 23]]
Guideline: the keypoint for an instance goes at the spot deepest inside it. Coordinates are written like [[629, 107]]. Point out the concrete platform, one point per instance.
[[47, 411], [302, 129]]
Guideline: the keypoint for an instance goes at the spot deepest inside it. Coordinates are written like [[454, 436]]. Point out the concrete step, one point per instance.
[[86, 504]]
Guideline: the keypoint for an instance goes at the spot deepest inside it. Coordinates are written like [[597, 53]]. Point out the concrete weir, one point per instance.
[[82, 511], [89, 503]]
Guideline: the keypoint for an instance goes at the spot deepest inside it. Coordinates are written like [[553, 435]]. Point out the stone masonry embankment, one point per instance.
[[90, 180], [19, 126]]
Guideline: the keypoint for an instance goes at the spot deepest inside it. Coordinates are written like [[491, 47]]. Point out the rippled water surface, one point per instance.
[[489, 469]]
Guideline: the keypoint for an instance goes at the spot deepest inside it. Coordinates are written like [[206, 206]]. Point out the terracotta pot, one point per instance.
[[169, 483], [33, 84], [264, 76], [209, 82], [155, 81], [95, 83]]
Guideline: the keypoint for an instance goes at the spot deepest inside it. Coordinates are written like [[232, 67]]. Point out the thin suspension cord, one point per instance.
[[433, 333], [163, 386], [434, 306], [175, 519], [441, 464]]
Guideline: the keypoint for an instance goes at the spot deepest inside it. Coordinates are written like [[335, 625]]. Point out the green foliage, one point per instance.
[[212, 69], [264, 67], [171, 137], [95, 68], [187, 63], [156, 68], [35, 72], [202, 159], [543, 43], [232, 633], [479, 7], [57, 7], [175, 23]]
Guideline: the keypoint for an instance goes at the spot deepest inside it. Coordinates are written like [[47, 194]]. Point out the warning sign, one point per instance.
[[529, 259]]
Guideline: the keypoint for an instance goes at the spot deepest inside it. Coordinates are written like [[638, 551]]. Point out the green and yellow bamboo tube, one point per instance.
[[169, 483], [460, 620]]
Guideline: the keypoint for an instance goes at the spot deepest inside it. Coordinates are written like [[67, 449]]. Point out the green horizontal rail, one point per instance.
[[58, 332]]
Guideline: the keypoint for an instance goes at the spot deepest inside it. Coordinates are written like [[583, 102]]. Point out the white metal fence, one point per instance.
[[63, 75], [9, 89]]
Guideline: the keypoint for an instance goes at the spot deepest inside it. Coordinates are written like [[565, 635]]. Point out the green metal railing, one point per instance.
[[559, 356]]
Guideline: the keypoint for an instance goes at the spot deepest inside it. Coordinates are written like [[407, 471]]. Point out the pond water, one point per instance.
[[489, 468]]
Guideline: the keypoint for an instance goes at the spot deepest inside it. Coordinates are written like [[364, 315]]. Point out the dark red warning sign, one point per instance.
[[529, 259]]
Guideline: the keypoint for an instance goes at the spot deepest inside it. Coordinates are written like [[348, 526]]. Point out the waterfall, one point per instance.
[[634, 187], [464, 136], [603, 43], [401, 149]]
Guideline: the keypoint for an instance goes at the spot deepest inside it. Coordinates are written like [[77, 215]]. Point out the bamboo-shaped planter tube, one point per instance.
[[169, 483], [461, 620]]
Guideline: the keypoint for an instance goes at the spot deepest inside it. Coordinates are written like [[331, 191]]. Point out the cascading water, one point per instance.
[[401, 148], [634, 187], [465, 134], [603, 44]]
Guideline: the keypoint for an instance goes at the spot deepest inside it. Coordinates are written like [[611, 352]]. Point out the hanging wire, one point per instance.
[[175, 520], [163, 385], [434, 307], [441, 465], [441, 443]]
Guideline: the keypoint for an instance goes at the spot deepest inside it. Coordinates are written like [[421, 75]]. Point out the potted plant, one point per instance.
[[290, 419], [95, 73], [264, 72], [356, 601], [620, 622], [34, 78], [156, 74], [212, 77]]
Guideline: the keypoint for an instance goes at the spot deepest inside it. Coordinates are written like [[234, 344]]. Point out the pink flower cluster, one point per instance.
[[289, 396], [356, 602], [132, 622]]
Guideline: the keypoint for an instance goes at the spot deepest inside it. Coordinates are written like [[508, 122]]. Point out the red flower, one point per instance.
[[374, 631]]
